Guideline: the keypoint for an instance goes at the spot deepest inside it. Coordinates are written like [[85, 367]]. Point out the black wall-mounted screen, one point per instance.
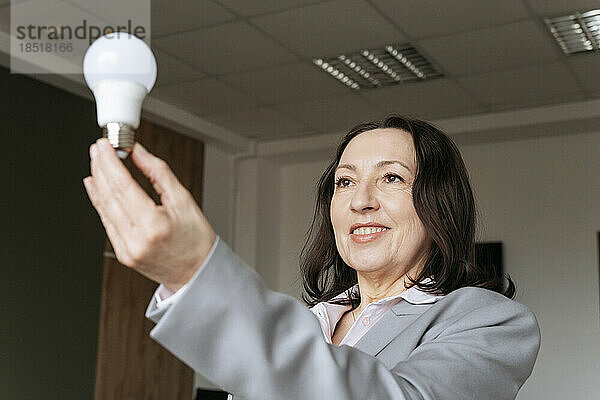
[[203, 394]]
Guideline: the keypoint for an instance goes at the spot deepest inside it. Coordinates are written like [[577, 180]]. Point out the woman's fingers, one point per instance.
[[117, 243], [163, 179], [106, 201]]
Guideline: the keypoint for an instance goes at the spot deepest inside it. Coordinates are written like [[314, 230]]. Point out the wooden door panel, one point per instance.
[[130, 365]]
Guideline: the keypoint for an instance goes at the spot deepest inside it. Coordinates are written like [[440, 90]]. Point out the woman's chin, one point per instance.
[[364, 261]]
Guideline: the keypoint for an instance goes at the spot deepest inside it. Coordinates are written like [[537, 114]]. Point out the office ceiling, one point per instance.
[[247, 65]]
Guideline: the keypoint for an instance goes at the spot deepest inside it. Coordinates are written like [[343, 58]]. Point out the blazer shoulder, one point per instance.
[[482, 295], [470, 298], [471, 308]]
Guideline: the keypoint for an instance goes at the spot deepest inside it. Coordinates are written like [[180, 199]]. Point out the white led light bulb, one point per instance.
[[120, 69]]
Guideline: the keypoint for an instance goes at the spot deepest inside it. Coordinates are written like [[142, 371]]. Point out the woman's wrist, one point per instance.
[[188, 273]]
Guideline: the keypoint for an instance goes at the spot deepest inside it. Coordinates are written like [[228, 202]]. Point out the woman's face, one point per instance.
[[374, 186]]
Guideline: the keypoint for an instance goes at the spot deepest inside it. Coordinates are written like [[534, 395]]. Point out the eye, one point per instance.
[[340, 182], [390, 175]]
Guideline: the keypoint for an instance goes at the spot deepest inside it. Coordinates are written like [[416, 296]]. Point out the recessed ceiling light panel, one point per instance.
[[576, 32], [379, 67]]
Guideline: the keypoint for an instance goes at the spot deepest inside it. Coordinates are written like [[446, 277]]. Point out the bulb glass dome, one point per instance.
[[119, 56]]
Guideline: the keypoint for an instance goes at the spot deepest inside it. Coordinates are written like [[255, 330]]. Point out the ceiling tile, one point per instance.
[[287, 84], [522, 86], [437, 98], [227, 48], [114, 12], [548, 101], [330, 28], [246, 8], [57, 12], [551, 8], [332, 114], [170, 16], [426, 18], [259, 123], [207, 96], [171, 70], [492, 49], [587, 69], [8, 2]]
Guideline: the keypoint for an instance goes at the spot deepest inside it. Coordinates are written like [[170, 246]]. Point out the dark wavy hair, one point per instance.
[[444, 202]]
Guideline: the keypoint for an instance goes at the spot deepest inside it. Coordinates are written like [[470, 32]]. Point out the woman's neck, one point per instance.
[[373, 290]]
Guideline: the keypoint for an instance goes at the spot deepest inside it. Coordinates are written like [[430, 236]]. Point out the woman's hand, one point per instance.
[[168, 242]]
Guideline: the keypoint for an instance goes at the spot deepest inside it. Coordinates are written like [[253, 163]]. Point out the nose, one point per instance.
[[364, 198]]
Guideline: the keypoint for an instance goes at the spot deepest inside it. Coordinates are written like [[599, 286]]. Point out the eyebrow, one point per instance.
[[380, 164]]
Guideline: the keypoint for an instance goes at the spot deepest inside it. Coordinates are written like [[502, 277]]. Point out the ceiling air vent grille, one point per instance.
[[385, 66], [577, 32]]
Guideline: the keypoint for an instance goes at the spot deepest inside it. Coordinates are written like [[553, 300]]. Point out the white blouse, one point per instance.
[[330, 314]]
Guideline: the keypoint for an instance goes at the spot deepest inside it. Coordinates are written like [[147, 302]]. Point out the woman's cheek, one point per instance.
[[338, 207], [399, 189]]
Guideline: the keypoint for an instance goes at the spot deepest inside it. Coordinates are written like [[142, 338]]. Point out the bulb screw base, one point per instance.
[[121, 136]]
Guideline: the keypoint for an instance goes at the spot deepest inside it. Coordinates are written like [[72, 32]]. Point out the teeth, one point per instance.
[[367, 230]]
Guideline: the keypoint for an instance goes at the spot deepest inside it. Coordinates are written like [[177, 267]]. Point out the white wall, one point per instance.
[[246, 202], [541, 198], [268, 226], [217, 191], [298, 196]]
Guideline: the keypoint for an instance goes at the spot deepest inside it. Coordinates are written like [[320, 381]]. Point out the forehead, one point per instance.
[[380, 144]]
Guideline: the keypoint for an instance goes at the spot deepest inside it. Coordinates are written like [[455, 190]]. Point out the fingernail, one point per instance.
[[93, 151], [102, 143], [86, 183]]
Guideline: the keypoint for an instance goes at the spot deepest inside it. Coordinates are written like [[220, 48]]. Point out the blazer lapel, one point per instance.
[[396, 320]]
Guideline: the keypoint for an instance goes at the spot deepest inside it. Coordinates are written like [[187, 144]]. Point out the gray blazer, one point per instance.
[[263, 345]]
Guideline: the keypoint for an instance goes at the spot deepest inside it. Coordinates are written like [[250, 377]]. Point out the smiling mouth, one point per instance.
[[365, 235], [368, 230]]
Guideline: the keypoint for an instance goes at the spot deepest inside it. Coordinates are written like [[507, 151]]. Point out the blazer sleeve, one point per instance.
[[261, 345]]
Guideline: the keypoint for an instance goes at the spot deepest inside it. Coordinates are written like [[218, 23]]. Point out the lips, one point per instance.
[[361, 238], [368, 224]]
